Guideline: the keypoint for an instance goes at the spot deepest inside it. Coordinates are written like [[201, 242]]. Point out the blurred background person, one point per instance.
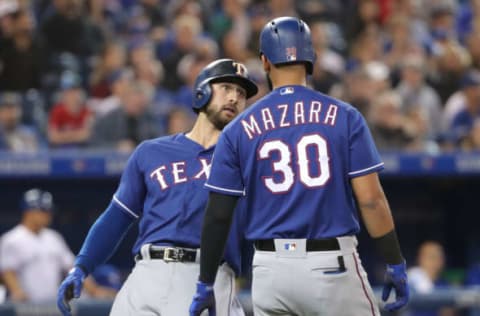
[[6, 23], [117, 82], [15, 136], [34, 258], [70, 122], [188, 69], [22, 57], [367, 16], [417, 125], [388, 124], [427, 276], [125, 127], [448, 65], [472, 141], [356, 88], [462, 120], [67, 29], [234, 34], [399, 42], [329, 65], [185, 31], [472, 43], [112, 58], [367, 47], [418, 96]]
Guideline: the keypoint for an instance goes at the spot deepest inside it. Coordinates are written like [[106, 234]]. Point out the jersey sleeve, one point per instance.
[[225, 175], [364, 157], [132, 189]]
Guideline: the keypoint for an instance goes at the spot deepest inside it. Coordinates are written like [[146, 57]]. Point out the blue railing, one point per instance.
[[105, 164]]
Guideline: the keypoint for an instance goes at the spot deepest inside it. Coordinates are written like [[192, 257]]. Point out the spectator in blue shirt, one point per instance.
[[462, 122], [14, 136]]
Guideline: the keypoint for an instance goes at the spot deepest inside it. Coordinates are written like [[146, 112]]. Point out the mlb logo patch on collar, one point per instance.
[[290, 246], [287, 90]]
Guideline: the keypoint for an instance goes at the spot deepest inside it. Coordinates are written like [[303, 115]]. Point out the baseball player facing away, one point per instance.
[[302, 160], [162, 186]]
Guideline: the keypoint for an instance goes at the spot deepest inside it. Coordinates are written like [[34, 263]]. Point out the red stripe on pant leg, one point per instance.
[[363, 285]]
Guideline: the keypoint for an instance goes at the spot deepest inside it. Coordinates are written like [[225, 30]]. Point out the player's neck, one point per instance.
[[288, 76], [204, 132], [31, 226]]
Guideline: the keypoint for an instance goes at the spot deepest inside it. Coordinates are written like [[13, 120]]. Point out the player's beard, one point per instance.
[[216, 118]]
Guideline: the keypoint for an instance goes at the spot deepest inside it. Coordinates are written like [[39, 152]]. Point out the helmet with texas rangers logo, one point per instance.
[[287, 40], [222, 70]]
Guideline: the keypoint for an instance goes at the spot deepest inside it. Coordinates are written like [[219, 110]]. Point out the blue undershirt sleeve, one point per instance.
[[104, 237]]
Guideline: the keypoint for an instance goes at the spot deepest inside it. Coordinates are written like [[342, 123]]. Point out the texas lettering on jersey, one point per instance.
[[177, 172]]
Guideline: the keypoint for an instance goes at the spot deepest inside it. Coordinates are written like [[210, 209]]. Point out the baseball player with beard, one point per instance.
[[303, 161], [162, 187]]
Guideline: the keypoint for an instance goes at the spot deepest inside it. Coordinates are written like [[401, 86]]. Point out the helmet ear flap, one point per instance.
[[202, 95], [199, 95]]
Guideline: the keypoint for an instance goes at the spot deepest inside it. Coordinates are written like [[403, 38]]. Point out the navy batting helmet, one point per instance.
[[287, 40], [36, 199], [222, 70]]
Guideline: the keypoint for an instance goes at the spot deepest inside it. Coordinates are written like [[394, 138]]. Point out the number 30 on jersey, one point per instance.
[[284, 166]]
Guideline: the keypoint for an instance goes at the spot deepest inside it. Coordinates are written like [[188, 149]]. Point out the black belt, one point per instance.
[[171, 254], [329, 244]]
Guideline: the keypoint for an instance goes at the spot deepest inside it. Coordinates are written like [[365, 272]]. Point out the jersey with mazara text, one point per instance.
[[293, 154]]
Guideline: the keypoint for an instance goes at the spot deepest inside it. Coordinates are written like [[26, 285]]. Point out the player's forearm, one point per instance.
[[216, 226], [104, 237], [379, 222], [372, 204], [376, 215]]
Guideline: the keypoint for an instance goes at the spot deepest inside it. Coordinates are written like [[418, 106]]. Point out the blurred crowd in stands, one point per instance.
[[111, 73]]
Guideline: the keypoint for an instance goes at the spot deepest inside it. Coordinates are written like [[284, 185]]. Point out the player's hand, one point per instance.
[[70, 288], [203, 299], [396, 277]]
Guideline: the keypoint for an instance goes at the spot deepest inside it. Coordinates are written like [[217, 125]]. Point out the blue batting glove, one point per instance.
[[203, 299], [396, 277], [70, 288]]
